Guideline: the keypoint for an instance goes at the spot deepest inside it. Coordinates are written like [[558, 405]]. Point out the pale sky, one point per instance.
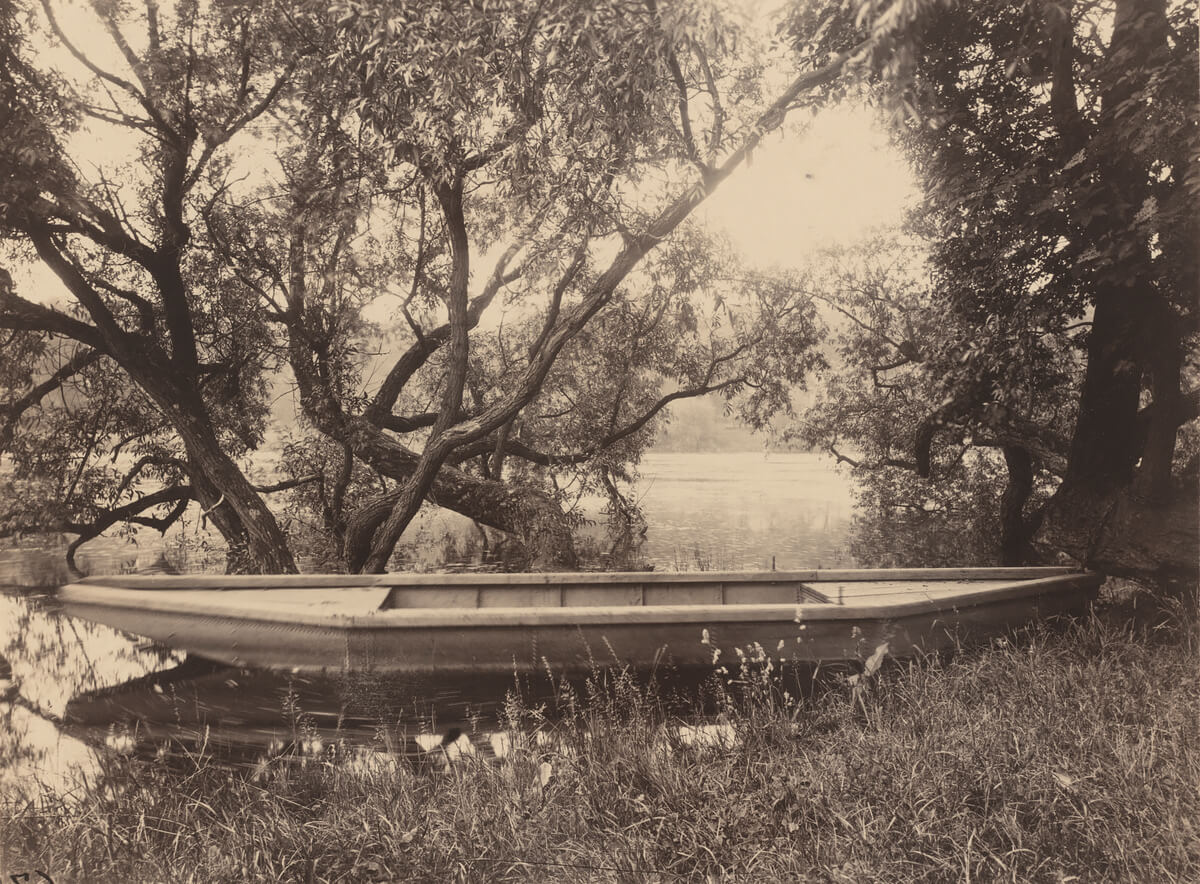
[[831, 184]]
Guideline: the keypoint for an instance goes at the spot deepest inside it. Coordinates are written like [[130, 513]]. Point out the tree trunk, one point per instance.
[[533, 517], [1165, 359], [256, 544], [527, 514], [1014, 536], [1100, 516], [424, 473]]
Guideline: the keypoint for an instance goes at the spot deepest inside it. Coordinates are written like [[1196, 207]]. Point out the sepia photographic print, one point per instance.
[[599, 440]]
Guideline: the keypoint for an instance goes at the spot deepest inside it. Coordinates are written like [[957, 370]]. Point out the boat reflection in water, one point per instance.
[[250, 718], [391, 662]]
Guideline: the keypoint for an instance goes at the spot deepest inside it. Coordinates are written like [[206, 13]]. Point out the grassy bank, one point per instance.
[[1058, 755]]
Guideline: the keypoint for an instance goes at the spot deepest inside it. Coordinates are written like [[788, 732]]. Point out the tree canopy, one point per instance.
[[1056, 325], [291, 171], [461, 231]]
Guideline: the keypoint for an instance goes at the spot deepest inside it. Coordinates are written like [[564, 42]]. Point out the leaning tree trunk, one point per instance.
[[531, 516], [415, 488], [255, 542]]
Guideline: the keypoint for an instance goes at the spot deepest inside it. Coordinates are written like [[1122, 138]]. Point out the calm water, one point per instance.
[[84, 688], [738, 511]]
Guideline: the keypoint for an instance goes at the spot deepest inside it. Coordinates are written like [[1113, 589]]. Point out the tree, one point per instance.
[[930, 416], [142, 299], [583, 114], [1056, 143], [403, 143]]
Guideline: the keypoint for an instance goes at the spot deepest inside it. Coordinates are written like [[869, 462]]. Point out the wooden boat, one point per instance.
[[421, 623]]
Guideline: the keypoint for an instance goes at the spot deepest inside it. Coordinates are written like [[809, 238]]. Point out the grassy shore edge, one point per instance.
[[1055, 754]]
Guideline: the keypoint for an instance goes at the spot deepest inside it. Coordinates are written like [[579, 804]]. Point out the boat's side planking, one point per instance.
[[421, 639]]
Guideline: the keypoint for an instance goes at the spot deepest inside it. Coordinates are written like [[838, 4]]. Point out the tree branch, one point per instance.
[[10, 412], [145, 461], [520, 449], [18, 313], [106, 324], [560, 289], [124, 85], [180, 495], [416, 356], [635, 248], [288, 484], [897, 463], [953, 410], [399, 424], [685, 118], [717, 130], [233, 126]]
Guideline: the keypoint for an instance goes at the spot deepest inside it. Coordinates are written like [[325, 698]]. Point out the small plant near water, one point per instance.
[[1051, 755]]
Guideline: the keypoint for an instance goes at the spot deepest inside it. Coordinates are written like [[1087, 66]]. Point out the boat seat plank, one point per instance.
[[520, 596], [811, 594], [597, 594], [886, 591], [350, 601], [684, 594]]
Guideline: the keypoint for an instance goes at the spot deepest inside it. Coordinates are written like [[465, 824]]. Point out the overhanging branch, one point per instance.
[[10, 412]]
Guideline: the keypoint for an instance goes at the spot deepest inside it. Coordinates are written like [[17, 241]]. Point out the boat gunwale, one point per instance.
[[85, 595], [400, 580]]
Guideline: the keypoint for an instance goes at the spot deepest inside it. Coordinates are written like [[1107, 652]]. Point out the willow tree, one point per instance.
[[116, 232], [400, 142]]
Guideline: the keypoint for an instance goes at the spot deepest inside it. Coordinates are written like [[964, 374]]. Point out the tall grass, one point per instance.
[[1047, 756]]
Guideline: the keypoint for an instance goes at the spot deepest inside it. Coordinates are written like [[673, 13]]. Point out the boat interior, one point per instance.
[[361, 594]]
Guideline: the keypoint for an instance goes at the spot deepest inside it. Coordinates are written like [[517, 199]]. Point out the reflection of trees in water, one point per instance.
[[55, 656], [237, 716], [202, 714]]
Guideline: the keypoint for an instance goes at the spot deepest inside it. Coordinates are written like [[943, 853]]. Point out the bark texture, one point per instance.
[[1118, 508]]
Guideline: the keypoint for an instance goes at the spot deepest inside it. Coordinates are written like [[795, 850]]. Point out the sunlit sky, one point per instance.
[[830, 182]]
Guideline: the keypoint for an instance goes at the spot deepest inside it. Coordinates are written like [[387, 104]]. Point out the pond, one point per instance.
[[743, 511], [83, 688]]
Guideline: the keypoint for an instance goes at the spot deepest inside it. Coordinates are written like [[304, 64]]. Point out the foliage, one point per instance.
[[1053, 144], [148, 307], [301, 187], [903, 521], [910, 408], [691, 320]]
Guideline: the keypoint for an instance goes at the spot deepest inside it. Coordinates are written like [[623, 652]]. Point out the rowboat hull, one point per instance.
[[573, 622]]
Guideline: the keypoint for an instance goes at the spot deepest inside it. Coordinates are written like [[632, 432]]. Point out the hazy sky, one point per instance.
[[828, 185]]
